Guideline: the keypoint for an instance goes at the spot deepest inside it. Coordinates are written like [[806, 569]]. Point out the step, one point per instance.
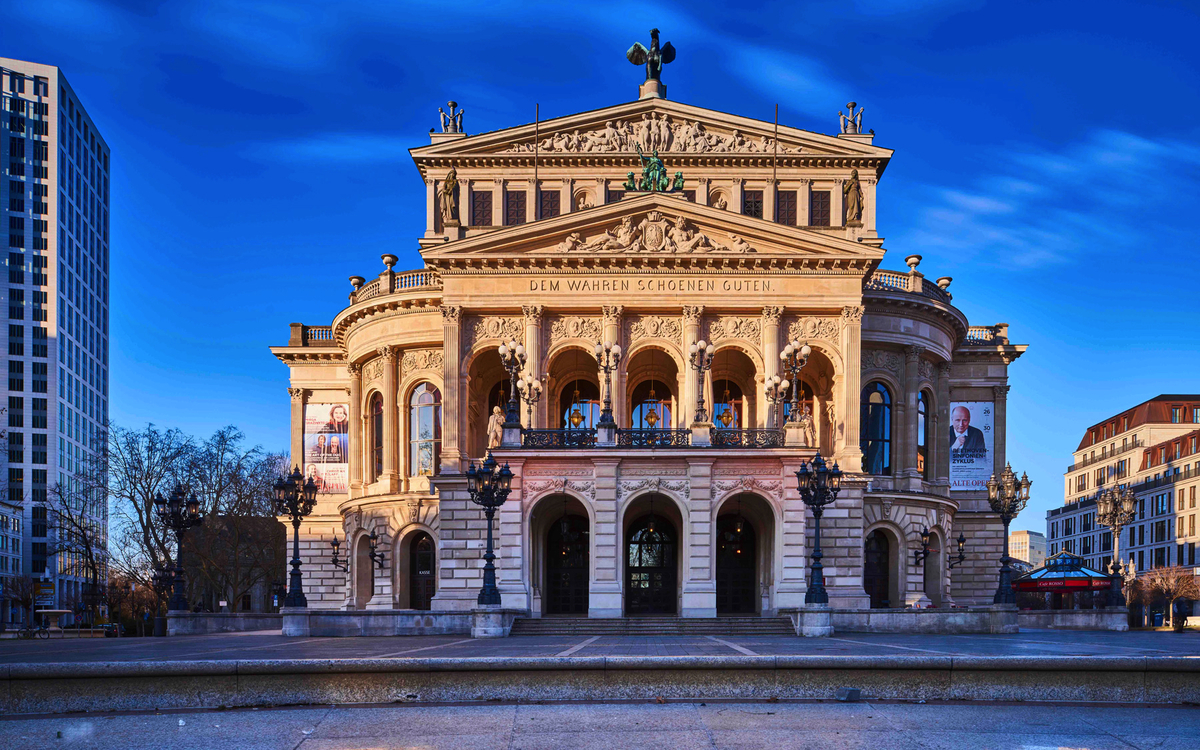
[[653, 626]]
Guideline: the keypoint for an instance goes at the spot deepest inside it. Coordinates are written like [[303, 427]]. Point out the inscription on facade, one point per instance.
[[652, 286]]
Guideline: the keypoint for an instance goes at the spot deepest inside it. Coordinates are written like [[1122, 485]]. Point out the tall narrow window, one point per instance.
[[514, 208], [818, 208], [425, 430], [785, 207], [876, 424], [549, 204], [752, 203], [924, 465], [376, 413], [481, 208], [614, 196]]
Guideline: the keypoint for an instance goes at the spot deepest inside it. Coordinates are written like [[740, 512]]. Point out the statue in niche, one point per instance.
[[653, 58], [852, 123], [495, 428], [453, 122], [447, 199], [720, 203], [809, 433], [852, 200]]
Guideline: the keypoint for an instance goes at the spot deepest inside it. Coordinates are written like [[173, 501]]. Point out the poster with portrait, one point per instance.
[[971, 438], [327, 447]]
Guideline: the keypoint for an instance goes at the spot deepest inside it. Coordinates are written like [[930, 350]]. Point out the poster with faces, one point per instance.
[[971, 439], [327, 447]]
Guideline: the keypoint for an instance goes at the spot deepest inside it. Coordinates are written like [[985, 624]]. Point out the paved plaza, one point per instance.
[[896, 726], [272, 645]]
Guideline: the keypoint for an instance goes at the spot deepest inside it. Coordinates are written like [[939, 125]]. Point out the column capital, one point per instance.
[[353, 369], [944, 370], [692, 313], [913, 353], [1000, 392], [451, 314], [853, 314], [772, 314], [612, 314], [297, 394], [533, 314], [388, 353]]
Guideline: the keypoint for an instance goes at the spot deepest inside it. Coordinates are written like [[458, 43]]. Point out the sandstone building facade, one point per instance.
[[766, 235]]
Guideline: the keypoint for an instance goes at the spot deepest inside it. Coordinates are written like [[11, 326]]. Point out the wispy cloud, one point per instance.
[[1102, 195], [341, 147]]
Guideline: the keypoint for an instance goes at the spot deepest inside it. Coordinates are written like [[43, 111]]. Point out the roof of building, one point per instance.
[[1153, 411], [1063, 571], [1176, 448]]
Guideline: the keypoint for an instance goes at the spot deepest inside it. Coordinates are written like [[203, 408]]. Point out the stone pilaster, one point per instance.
[[769, 200], [791, 580], [941, 450], [848, 450], [453, 418], [837, 205], [391, 419], [691, 384], [508, 539], [533, 350], [700, 584], [498, 202], [912, 390], [803, 202], [736, 194], [355, 448], [604, 595], [612, 332], [702, 191], [431, 207], [1000, 428], [297, 437], [771, 318]]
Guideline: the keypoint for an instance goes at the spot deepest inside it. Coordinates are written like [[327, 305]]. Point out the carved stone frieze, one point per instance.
[[654, 233], [654, 132], [853, 314], [422, 359], [878, 359], [925, 369], [654, 327], [373, 370], [535, 487], [612, 314], [729, 327], [574, 327], [681, 488], [451, 314], [772, 488], [557, 471], [810, 328], [501, 328]]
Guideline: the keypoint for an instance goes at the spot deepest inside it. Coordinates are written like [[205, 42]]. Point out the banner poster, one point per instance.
[[327, 447], [971, 440]]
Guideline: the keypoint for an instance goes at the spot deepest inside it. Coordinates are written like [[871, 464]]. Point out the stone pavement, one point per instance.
[[272, 645], [895, 726]]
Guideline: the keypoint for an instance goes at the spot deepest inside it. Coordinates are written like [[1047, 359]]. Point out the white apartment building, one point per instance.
[[56, 203], [1153, 448]]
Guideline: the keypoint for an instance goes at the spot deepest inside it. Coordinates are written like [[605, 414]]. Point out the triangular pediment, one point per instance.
[[670, 127], [655, 228]]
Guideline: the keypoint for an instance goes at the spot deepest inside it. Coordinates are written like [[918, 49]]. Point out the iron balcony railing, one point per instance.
[[654, 438], [723, 438], [565, 438]]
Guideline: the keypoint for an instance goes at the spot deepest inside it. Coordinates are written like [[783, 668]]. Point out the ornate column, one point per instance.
[[533, 350], [912, 385], [356, 442], [565, 204], [848, 447], [941, 451], [771, 318], [453, 403], [1000, 428], [691, 386], [431, 207], [612, 332], [735, 195], [391, 418], [868, 217], [803, 201], [297, 440]]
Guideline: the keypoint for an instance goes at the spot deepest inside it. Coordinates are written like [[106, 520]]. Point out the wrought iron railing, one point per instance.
[[747, 438], [562, 438], [654, 438]]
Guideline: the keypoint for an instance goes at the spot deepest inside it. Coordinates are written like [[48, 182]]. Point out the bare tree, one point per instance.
[[1172, 584], [77, 529], [21, 592]]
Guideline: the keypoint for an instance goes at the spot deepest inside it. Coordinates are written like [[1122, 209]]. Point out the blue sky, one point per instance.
[[1047, 157]]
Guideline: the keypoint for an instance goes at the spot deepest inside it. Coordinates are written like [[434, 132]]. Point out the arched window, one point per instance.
[[424, 430], [651, 406], [876, 425], [924, 465], [806, 400], [376, 420], [727, 409], [580, 405]]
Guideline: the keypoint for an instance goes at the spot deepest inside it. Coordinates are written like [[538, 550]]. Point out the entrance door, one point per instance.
[[364, 574], [567, 567], [737, 567], [422, 582], [650, 568], [875, 570]]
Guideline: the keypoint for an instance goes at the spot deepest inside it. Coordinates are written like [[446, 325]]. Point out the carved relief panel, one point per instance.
[[492, 327], [573, 327], [640, 327]]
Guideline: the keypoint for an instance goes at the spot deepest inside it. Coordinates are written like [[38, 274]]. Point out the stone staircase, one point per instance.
[[664, 625]]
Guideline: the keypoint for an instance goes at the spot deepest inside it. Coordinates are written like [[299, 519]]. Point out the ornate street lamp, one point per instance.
[[373, 553], [776, 393], [952, 561], [489, 486], [921, 554], [818, 485], [295, 497], [794, 356], [178, 513], [531, 391], [700, 357], [608, 357], [342, 565], [512, 356], [1115, 509], [1008, 497]]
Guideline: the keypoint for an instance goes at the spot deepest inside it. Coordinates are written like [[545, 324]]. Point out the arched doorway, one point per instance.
[[364, 573], [651, 562], [567, 546], [933, 568], [737, 569], [422, 571], [876, 558]]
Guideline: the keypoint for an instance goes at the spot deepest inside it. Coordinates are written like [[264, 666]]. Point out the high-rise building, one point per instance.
[[1153, 449], [1029, 546], [56, 207]]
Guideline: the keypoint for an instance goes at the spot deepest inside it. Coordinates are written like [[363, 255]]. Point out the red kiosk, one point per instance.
[[1063, 573]]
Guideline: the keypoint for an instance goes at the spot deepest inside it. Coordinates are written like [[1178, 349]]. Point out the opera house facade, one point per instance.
[[647, 227]]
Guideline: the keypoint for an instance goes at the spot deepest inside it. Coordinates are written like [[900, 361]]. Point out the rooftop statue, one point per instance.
[[852, 123], [453, 122], [653, 58]]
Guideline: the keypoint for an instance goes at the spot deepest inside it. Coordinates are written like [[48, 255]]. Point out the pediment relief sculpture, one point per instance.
[[654, 327], [655, 233], [654, 131]]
